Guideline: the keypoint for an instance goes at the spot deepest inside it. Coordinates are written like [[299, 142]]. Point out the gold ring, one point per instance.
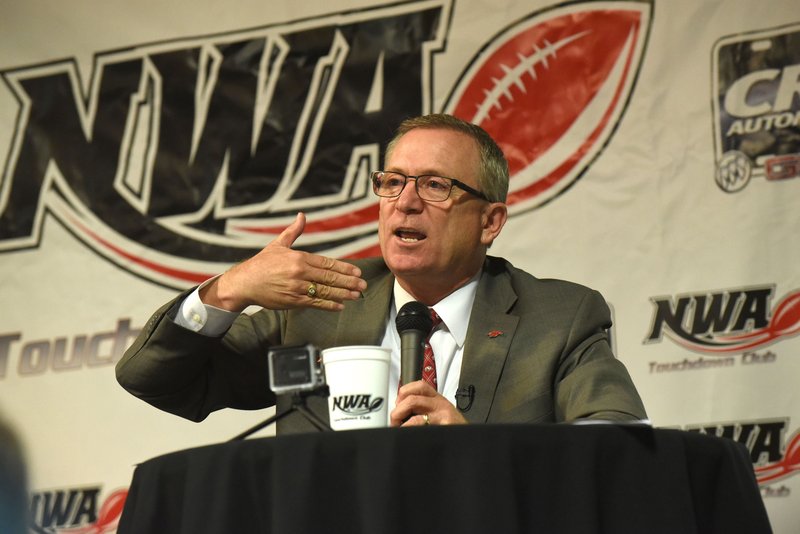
[[426, 419], [312, 290]]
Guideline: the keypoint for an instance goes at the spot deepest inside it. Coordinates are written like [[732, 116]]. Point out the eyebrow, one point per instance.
[[425, 173]]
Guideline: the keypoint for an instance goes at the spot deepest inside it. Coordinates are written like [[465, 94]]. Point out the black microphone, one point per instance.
[[414, 323]]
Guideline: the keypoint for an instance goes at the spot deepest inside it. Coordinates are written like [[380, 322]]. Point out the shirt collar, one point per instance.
[[455, 309]]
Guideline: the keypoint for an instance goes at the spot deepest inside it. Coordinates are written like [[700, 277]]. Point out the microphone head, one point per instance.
[[414, 316]]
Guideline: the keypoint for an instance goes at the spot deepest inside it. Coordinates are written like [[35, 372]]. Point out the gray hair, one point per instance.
[[493, 171]]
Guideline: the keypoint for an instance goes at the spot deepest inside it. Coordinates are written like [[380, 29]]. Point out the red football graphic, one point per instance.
[[551, 88]]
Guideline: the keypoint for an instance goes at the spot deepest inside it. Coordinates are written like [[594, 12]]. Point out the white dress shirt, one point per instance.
[[447, 340]]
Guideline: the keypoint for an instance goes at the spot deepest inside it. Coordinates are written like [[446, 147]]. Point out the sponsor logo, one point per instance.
[[724, 322], [357, 404], [774, 457], [756, 83], [76, 511], [63, 353], [175, 159]]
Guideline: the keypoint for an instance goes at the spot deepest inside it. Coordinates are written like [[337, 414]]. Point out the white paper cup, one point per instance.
[[358, 379]]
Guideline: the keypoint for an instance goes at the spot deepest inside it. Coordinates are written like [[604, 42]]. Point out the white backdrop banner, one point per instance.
[[654, 148]]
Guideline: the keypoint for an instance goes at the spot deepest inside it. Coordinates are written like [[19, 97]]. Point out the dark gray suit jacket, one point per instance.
[[547, 360]]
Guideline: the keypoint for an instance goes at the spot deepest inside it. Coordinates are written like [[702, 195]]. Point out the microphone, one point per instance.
[[413, 324]]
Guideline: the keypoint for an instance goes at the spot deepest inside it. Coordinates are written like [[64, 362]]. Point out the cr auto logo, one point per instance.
[[726, 322], [175, 159], [756, 109]]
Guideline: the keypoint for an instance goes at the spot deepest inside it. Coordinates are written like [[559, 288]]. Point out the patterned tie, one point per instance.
[[429, 363]]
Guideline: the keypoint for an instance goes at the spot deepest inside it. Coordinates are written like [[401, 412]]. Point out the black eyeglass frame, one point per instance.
[[406, 177]]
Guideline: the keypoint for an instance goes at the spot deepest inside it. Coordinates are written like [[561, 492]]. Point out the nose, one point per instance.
[[409, 200]]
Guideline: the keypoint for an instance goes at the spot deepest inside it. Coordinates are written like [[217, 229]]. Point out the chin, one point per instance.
[[405, 264], [405, 268]]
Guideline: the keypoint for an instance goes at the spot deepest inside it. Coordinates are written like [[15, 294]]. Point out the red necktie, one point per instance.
[[429, 363]]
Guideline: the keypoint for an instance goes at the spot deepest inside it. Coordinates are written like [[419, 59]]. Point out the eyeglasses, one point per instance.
[[432, 188]]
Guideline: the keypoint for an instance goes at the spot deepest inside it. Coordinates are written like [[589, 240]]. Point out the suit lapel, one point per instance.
[[363, 321], [491, 330], [489, 336]]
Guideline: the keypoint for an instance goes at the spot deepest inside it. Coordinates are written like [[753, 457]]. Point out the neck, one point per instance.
[[432, 292]]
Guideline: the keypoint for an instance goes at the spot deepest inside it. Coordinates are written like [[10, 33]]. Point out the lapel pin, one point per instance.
[[495, 333]]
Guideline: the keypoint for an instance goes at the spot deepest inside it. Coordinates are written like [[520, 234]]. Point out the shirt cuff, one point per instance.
[[202, 318]]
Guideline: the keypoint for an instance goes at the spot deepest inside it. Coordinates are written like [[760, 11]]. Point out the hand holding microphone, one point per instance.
[[418, 403]]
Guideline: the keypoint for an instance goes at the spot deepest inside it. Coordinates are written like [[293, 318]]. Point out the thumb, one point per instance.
[[292, 232]]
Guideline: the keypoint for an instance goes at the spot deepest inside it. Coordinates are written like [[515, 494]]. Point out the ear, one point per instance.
[[493, 219]]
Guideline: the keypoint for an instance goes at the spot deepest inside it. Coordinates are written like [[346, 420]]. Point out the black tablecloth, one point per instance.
[[471, 479]]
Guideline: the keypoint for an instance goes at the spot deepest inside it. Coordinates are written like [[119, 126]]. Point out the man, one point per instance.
[[515, 348]]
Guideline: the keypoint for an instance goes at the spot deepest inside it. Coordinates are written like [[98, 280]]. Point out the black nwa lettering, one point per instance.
[[762, 438], [64, 508], [698, 318], [170, 144]]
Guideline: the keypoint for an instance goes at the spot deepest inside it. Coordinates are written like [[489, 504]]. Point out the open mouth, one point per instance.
[[407, 235]]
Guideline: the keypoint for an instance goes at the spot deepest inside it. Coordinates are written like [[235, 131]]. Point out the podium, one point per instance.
[[484, 479]]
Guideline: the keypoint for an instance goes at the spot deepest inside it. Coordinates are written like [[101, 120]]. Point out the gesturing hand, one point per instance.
[[279, 277], [419, 404]]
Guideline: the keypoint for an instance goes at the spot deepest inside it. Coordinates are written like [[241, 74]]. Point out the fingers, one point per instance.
[[291, 232], [336, 280], [408, 415], [327, 268], [322, 263], [325, 297], [333, 282], [280, 278], [419, 387], [323, 294], [297, 289], [336, 283], [419, 404]]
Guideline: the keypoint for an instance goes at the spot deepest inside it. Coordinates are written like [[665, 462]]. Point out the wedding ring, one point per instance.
[[312, 290], [426, 419]]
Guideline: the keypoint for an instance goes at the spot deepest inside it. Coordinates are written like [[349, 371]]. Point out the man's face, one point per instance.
[[434, 243]]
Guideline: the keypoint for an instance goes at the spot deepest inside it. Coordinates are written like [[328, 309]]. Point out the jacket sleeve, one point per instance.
[[591, 383], [191, 375]]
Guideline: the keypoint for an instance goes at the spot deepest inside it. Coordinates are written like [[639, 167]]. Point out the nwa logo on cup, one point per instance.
[[756, 109], [356, 405]]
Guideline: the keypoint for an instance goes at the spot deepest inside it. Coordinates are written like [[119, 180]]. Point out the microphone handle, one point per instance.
[[412, 351]]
